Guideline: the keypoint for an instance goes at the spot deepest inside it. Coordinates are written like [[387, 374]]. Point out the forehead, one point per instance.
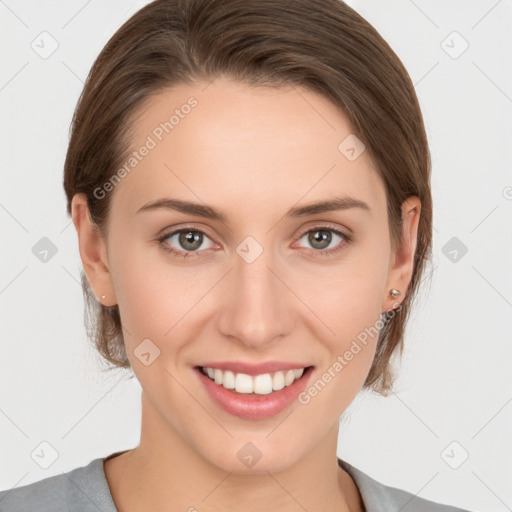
[[228, 144]]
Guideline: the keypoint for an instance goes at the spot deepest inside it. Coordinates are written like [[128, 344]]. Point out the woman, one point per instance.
[[249, 182]]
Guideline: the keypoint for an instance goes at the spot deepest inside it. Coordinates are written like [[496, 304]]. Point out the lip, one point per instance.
[[254, 406], [255, 369]]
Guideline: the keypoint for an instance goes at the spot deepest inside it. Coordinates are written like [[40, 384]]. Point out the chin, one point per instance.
[[244, 457]]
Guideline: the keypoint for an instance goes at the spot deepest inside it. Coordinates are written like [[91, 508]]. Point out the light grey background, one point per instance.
[[454, 394]]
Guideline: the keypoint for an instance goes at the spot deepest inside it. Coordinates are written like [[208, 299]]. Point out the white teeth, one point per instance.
[[260, 384], [228, 380], [298, 373], [289, 377], [217, 374], [243, 383], [278, 381], [263, 384]]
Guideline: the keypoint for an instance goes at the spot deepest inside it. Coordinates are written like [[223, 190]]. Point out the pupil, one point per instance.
[[190, 237], [323, 236]]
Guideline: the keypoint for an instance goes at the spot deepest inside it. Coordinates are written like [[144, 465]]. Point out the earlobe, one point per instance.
[[401, 270], [92, 250]]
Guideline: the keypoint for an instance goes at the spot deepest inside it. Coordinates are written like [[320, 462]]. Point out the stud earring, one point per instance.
[[103, 296], [394, 292]]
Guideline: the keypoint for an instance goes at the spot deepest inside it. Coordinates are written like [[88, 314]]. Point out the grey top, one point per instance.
[[85, 489]]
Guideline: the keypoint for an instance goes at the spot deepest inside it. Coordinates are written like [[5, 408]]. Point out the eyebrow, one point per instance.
[[201, 210]]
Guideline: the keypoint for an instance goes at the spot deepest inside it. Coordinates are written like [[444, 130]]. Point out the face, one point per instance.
[[256, 283]]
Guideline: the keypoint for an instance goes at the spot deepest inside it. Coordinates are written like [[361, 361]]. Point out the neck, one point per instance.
[[166, 473]]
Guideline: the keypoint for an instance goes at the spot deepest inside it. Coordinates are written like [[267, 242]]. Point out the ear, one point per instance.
[[93, 251], [402, 260]]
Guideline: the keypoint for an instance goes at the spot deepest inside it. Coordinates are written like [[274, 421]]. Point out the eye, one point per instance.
[[321, 237], [188, 241]]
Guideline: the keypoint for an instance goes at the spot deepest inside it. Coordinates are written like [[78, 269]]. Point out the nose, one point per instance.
[[256, 307]]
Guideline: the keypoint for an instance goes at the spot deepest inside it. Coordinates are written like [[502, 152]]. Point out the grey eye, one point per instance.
[[321, 238]]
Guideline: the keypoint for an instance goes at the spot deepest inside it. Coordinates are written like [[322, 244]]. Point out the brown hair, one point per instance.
[[322, 45]]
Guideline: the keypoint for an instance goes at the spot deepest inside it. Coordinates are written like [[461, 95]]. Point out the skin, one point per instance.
[[252, 153]]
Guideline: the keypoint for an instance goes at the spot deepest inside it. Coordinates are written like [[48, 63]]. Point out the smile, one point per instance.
[[262, 384], [253, 397]]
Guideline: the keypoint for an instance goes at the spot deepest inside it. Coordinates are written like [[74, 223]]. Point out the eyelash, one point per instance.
[[320, 252]]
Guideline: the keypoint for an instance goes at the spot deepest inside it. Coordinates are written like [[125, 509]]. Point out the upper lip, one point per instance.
[[254, 369]]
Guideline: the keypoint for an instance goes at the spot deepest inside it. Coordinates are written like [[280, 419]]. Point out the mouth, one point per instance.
[[258, 396], [256, 383]]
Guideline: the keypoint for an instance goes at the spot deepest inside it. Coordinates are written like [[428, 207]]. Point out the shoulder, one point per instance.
[[84, 488], [377, 496]]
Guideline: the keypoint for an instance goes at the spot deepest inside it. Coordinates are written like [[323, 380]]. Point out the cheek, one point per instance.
[[144, 292], [348, 300], [157, 297], [352, 313], [348, 296]]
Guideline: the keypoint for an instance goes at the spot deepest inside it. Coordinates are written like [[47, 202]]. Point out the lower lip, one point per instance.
[[254, 406]]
